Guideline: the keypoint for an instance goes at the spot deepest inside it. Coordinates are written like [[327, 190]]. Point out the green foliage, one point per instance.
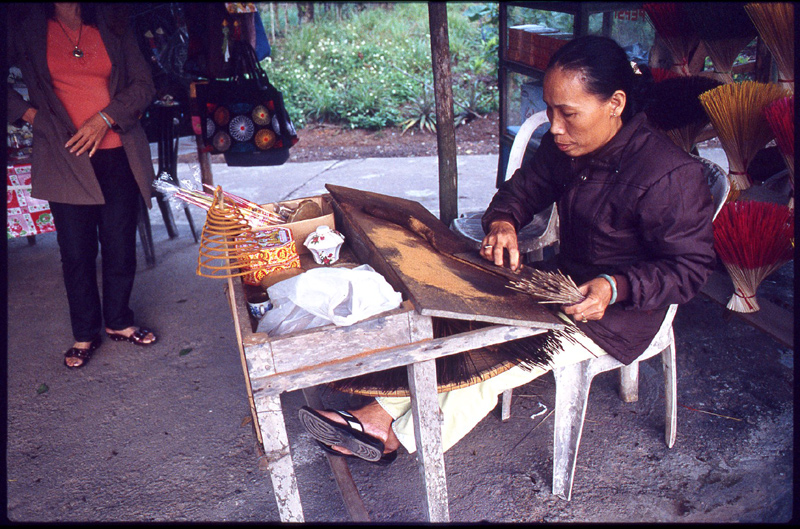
[[372, 69]]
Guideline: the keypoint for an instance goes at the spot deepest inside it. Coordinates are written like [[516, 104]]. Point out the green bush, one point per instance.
[[371, 70]]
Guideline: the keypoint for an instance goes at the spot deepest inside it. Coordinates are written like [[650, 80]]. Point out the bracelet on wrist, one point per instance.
[[613, 283], [106, 120]]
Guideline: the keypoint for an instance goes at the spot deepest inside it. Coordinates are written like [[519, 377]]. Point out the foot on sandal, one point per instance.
[[77, 357], [350, 435], [140, 336]]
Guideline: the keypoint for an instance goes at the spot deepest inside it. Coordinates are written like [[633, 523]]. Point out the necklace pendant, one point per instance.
[[77, 53]]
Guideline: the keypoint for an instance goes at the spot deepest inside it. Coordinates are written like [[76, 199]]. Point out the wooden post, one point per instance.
[[445, 126], [203, 158], [428, 432]]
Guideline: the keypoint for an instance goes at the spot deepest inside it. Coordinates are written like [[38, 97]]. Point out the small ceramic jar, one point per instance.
[[324, 244], [259, 309]]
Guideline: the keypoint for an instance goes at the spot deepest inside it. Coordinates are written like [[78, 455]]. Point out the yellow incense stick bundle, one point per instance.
[[736, 112]]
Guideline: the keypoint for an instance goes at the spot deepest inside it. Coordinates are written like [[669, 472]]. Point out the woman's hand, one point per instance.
[[88, 136], [598, 294], [502, 236]]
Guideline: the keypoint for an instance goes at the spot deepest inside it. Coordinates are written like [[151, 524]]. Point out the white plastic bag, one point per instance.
[[320, 296]]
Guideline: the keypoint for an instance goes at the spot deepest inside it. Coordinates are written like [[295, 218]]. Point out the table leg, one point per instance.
[[279, 458], [428, 432]]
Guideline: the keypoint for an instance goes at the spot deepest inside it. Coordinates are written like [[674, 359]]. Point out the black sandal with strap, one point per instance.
[[82, 354], [138, 337]]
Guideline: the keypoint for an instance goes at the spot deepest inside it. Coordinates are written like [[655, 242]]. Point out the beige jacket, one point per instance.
[[56, 174]]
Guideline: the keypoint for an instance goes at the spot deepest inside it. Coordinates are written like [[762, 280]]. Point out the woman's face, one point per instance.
[[580, 122]]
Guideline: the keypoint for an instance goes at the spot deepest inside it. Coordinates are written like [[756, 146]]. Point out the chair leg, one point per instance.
[[572, 391], [670, 392], [629, 382], [505, 405]]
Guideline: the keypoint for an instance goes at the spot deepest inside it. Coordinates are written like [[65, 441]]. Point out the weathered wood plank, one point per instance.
[[331, 343], [279, 458], [428, 434], [371, 361], [438, 283]]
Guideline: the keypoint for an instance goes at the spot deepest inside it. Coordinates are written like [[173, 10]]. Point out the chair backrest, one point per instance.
[[717, 181], [515, 156], [521, 141]]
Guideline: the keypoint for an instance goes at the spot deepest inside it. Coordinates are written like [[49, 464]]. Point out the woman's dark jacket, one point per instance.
[[56, 174], [639, 209]]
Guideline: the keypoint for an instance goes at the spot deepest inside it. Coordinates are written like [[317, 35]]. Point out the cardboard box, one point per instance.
[[300, 230]]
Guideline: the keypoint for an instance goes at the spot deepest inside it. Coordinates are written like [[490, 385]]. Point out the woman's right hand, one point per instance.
[[502, 236], [29, 115]]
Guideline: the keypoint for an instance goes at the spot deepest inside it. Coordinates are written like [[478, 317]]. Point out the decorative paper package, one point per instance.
[[278, 252], [25, 215], [301, 230]]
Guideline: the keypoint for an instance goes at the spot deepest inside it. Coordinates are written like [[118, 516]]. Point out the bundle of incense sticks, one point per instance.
[[255, 214], [549, 287]]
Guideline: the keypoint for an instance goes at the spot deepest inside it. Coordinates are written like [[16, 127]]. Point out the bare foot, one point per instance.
[[376, 422]]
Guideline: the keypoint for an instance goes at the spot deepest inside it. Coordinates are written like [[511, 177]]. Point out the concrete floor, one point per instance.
[[162, 433]]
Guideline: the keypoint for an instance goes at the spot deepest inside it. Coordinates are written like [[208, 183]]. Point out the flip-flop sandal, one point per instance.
[[82, 354], [386, 459], [137, 337], [350, 435]]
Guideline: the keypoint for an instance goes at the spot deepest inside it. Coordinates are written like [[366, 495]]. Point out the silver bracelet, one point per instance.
[[105, 119]]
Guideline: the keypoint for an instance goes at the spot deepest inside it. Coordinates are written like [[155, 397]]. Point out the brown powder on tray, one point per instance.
[[418, 261]]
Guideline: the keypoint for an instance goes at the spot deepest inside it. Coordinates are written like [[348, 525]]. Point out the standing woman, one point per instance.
[[88, 85]]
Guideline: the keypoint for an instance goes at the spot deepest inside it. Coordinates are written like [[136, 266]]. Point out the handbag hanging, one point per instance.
[[244, 118]]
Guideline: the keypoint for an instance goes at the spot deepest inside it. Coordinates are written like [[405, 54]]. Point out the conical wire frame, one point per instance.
[[227, 245]]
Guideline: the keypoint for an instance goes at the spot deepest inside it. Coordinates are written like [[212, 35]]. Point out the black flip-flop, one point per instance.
[[386, 459], [350, 435]]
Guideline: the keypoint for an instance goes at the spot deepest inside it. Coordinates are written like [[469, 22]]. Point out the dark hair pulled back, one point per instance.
[[605, 68]]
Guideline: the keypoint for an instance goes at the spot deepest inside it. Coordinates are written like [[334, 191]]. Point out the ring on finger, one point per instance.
[[486, 247]]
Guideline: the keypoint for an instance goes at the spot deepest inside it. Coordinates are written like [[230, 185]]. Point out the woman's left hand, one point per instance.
[[88, 136], [598, 294]]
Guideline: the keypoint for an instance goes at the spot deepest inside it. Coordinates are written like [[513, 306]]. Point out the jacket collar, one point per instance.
[[611, 155]]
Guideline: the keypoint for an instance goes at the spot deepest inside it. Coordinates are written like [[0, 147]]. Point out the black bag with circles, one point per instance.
[[244, 117]]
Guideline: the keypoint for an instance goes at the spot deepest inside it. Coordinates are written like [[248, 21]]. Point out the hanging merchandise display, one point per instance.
[[673, 27], [780, 116], [753, 240], [775, 24], [736, 111], [245, 117], [677, 110], [724, 29]]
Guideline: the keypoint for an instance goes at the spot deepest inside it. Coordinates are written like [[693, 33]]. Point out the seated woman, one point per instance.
[[636, 235]]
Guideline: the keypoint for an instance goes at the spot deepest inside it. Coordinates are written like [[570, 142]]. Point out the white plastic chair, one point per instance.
[[543, 229], [574, 381]]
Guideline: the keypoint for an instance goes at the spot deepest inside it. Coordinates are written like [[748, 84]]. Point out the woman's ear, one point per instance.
[[617, 103]]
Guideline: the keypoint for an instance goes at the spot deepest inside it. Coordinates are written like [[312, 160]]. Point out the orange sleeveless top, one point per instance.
[[80, 83]]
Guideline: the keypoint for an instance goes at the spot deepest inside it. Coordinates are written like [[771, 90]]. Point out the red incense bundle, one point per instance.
[[752, 239]]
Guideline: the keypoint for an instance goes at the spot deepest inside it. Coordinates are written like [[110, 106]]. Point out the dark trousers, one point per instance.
[[79, 228]]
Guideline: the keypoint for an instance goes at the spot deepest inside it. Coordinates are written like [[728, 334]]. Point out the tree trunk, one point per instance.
[[305, 12], [445, 126]]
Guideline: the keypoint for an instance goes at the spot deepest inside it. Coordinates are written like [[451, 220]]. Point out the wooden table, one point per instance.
[[400, 337]]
